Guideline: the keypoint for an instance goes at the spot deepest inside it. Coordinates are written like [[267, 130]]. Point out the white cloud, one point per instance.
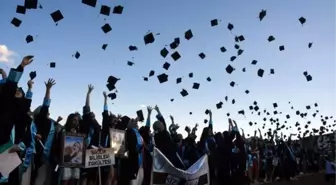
[[6, 55], [143, 106]]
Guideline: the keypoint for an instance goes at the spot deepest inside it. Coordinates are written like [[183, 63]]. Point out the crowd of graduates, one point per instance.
[[233, 159]]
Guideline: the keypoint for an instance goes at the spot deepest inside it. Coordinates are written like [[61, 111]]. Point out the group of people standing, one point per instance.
[[37, 138]]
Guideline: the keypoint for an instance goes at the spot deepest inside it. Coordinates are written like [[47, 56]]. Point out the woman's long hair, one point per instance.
[[68, 124]]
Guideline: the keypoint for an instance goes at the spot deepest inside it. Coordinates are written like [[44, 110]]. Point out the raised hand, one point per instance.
[[149, 109], [105, 95], [27, 60], [171, 117], [210, 113], [156, 108], [30, 84], [90, 88], [59, 119], [51, 82]]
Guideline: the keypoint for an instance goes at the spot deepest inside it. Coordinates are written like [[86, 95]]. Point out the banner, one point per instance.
[[117, 141], [99, 157], [73, 150], [164, 173]]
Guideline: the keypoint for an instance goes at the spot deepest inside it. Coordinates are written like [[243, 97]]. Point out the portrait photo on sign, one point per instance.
[[118, 142], [73, 148]]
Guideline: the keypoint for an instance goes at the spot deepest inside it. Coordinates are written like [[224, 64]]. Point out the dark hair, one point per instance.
[[68, 124]]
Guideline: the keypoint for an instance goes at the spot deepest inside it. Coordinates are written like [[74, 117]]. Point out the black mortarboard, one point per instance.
[[230, 26], [196, 86], [52, 64], [16, 22], [302, 20], [191, 75], [104, 46], [223, 49], [208, 79], [132, 48], [315, 104], [164, 52], [32, 75], [188, 35], [219, 105], [178, 80], [310, 44], [205, 121], [90, 2], [140, 115], [241, 112], [29, 39], [275, 105], [256, 108], [233, 58], [241, 38], [31, 4], [236, 46], [270, 38], [262, 14], [118, 9], [56, 16], [105, 10], [201, 55], [190, 113], [214, 22], [229, 69], [207, 111], [282, 47], [40, 6], [226, 98], [287, 116], [77, 55], [244, 70], [184, 92], [112, 96], [145, 79], [250, 123], [162, 78], [260, 72], [254, 62], [247, 91], [227, 114], [251, 107], [106, 28], [232, 84], [112, 80], [175, 43], [149, 38], [240, 51], [110, 87], [176, 56], [233, 101], [255, 103], [166, 66], [236, 39], [272, 71], [130, 63], [308, 107], [171, 100], [305, 73], [151, 73], [20, 9], [309, 78]]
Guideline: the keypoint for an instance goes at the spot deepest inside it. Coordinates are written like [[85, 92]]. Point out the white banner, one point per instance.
[[164, 173], [99, 157]]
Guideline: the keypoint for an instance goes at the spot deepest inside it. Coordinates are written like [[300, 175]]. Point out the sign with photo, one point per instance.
[[118, 140], [99, 157], [73, 150]]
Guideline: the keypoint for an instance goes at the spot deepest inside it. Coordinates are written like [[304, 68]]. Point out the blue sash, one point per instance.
[[31, 148], [139, 146], [48, 143], [88, 139]]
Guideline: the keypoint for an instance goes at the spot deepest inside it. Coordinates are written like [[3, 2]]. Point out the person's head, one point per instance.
[[113, 120], [76, 147], [72, 121], [158, 126], [132, 123], [19, 93]]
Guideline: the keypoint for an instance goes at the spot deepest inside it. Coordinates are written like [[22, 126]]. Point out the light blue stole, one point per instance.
[[139, 145], [31, 149]]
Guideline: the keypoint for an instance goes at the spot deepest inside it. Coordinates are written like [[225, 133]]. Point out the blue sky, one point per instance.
[[80, 30]]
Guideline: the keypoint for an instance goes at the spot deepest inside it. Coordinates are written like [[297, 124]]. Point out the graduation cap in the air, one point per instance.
[[262, 14], [175, 43], [118, 9], [172, 100], [236, 46], [188, 35], [191, 75], [91, 3], [105, 10], [214, 22], [232, 84], [31, 4], [230, 26], [275, 105], [207, 111], [201, 55], [176, 55], [226, 98], [251, 107], [77, 55], [106, 28], [254, 62], [247, 91], [308, 107], [29, 39], [145, 79], [229, 69], [164, 52], [166, 66], [20, 9], [178, 80], [240, 51], [244, 70], [270, 38], [208, 79], [149, 38], [16, 22], [130, 63], [242, 112], [233, 101], [162, 78], [241, 38], [151, 73], [140, 115], [132, 48], [256, 108], [111, 82], [310, 44], [184, 93], [104, 46], [315, 104], [52, 64], [282, 47], [32, 75], [223, 49], [205, 121], [112, 96], [260, 72], [196, 86], [56, 16], [302, 20], [233, 58], [272, 71], [219, 105], [309, 78]]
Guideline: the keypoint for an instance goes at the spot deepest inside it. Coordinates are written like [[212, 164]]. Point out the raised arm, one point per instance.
[[87, 109], [44, 112], [159, 116], [149, 112], [210, 120], [260, 135], [29, 93]]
